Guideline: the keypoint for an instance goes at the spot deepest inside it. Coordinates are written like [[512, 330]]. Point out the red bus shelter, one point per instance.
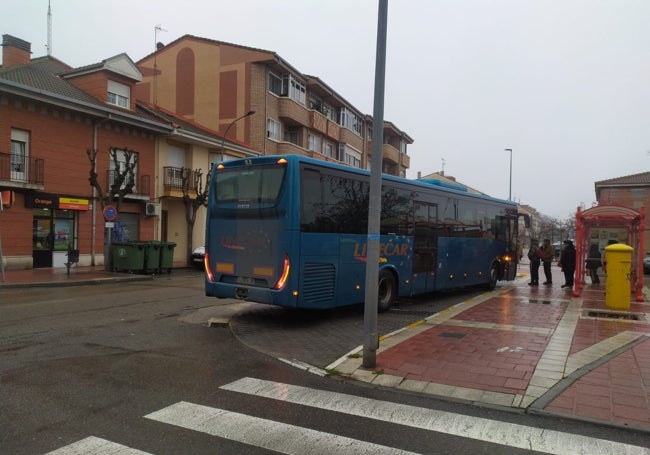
[[611, 216]]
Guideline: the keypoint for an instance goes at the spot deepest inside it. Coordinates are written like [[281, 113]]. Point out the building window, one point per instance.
[[275, 85], [119, 94], [273, 129], [349, 120], [328, 150], [127, 162], [314, 143], [329, 112], [292, 135], [352, 160], [315, 103], [19, 154], [294, 88], [349, 156]]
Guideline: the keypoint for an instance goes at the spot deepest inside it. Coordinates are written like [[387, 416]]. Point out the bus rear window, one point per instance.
[[249, 184]]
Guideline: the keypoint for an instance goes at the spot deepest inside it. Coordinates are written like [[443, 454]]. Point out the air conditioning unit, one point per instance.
[[152, 209]]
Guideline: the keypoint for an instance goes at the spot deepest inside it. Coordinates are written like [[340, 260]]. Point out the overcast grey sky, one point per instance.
[[564, 83]]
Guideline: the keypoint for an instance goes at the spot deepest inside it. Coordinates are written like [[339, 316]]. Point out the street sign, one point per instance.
[[110, 213]]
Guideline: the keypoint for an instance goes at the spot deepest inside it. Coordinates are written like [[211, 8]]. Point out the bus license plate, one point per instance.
[[245, 280]]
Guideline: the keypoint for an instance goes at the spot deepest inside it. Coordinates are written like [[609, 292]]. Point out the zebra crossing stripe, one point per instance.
[[507, 434], [96, 446], [277, 436]]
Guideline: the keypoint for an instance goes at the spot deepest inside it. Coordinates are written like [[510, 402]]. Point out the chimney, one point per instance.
[[16, 51]]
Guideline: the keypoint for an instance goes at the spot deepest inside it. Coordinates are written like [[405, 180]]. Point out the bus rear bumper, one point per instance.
[[248, 293]]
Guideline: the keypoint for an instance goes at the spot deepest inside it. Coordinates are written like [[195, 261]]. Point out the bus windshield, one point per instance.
[[249, 184]]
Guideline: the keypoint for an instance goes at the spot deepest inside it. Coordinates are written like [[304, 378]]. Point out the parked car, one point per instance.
[[197, 257], [646, 264]]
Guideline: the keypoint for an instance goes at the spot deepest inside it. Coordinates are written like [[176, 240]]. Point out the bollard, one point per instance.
[[619, 269]]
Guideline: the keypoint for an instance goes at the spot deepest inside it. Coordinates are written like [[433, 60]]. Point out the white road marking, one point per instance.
[[96, 446], [508, 434], [259, 432]]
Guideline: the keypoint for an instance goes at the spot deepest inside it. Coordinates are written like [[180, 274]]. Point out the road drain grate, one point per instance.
[[452, 335], [613, 315]]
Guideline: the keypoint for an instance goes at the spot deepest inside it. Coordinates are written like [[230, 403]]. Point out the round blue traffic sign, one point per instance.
[[110, 213]]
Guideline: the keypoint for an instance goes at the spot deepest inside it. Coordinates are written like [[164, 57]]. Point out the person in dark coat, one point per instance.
[[594, 260], [534, 258], [568, 263], [548, 253]]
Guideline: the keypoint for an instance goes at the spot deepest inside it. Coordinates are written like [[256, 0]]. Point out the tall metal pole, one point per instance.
[[371, 338], [225, 133], [510, 188]]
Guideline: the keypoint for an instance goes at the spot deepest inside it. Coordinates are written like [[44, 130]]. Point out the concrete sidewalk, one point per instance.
[[533, 348], [56, 277]]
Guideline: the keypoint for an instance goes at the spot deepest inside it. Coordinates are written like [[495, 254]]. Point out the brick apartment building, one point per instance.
[[631, 191], [214, 83], [50, 116]]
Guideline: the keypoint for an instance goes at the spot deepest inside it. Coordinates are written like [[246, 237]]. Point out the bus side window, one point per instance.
[[310, 200]]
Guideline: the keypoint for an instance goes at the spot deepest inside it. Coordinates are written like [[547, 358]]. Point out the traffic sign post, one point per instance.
[[110, 215]]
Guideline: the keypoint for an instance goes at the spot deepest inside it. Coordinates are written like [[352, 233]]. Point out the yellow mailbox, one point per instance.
[[619, 269]]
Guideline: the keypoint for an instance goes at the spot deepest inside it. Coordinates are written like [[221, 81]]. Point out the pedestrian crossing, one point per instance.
[[281, 437], [285, 438], [96, 446]]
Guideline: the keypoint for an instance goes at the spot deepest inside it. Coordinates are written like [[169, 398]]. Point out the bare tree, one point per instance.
[[195, 196], [121, 184], [123, 178]]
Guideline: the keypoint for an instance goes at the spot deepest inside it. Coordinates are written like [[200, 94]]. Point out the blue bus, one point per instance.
[[292, 231]]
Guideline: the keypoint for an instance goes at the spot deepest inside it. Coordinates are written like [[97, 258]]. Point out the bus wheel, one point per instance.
[[493, 278], [386, 291]]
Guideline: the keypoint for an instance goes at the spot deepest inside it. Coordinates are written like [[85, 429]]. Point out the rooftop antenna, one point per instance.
[[49, 29], [157, 28], [443, 167]]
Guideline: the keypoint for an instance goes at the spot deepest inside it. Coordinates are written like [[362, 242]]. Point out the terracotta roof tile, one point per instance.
[[42, 74]]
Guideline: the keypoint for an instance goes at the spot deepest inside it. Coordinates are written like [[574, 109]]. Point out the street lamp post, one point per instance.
[[223, 139], [510, 187]]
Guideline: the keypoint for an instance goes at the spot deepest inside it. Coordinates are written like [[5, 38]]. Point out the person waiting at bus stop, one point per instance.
[[533, 257], [548, 253], [568, 263], [593, 262]]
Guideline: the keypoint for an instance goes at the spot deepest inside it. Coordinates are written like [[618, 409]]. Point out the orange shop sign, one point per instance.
[[73, 203]]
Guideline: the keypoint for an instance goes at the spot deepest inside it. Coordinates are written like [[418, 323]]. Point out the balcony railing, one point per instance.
[[22, 170], [173, 179], [142, 184]]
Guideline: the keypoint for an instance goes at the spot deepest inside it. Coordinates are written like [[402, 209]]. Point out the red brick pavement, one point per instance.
[[484, 359], [496, 360], [618, 391]]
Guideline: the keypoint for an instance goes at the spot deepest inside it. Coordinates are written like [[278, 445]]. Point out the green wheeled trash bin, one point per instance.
[[152, 257], [167, 256], [128, 257]]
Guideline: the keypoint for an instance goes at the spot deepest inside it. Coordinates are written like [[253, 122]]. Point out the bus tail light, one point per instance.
[[206, 266], [284, 275]]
